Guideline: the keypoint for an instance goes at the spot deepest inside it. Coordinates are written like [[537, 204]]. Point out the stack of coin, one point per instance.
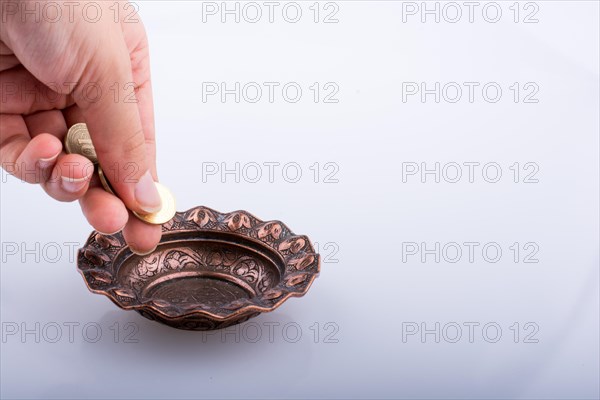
[[79, 141]]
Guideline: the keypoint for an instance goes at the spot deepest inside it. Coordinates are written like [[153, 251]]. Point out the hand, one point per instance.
[[54, 74]]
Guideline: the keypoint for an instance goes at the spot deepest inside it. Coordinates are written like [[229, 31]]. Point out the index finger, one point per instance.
[[115, 126]]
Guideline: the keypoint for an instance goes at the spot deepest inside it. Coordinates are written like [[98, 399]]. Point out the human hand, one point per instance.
[[54, 74]]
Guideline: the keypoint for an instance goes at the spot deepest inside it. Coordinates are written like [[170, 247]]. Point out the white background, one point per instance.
[[370, 290]]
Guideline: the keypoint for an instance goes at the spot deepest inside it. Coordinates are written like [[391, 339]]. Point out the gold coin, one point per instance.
[[105, 183], [166, 212], [79, 141]]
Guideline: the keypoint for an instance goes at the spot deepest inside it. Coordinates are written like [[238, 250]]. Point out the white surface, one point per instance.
[[367, 215]]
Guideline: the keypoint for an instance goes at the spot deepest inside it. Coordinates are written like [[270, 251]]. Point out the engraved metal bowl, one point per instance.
[[210, 271]]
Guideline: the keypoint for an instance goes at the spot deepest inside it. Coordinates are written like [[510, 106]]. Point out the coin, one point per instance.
[[78, 141], [166, 197], [166, 212], [105, 183]]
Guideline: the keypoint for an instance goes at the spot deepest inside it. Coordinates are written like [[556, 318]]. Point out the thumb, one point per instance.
[[115, 126]]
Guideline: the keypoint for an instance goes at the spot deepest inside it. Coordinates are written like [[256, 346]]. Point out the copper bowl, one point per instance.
[[210, 270]]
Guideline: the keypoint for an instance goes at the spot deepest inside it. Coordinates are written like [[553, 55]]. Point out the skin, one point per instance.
[[39, 61]]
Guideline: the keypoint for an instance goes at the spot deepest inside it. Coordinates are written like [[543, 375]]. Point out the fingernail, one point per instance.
[[73, 185], [140, 253], [147, 195], [112, 233], [46, 162]]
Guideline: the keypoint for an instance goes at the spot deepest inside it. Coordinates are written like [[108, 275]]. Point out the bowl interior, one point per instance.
[[193, 268]]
